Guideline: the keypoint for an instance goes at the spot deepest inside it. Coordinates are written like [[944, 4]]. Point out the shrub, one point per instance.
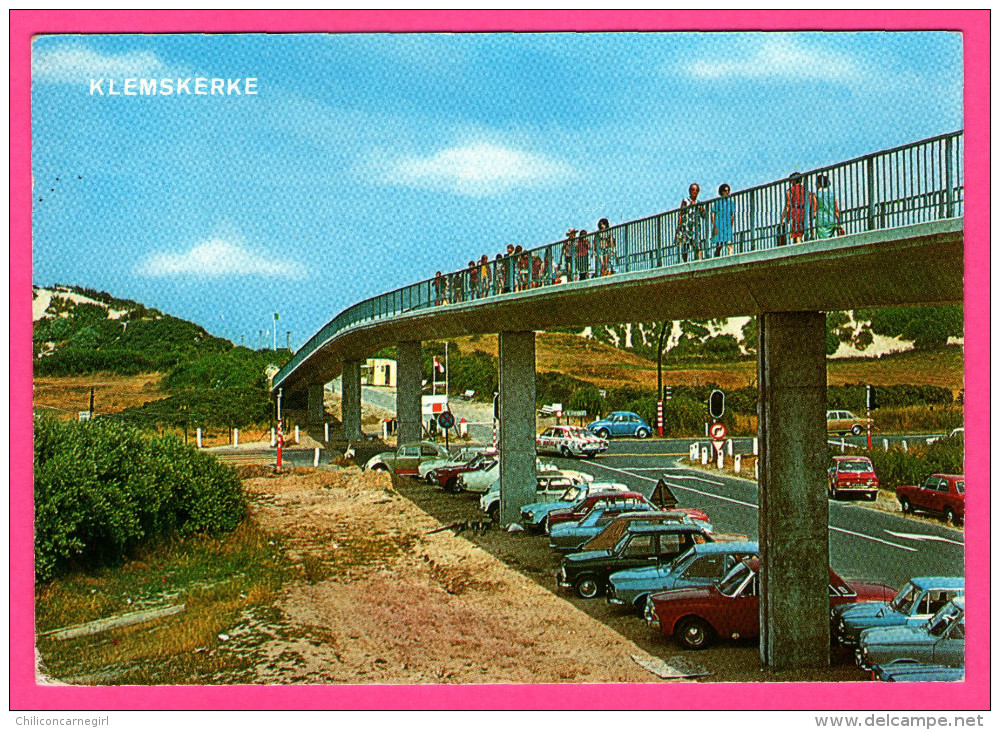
[[896, 466], [102, 489]]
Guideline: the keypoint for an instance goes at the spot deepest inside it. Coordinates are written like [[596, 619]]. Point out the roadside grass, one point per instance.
[[218, 579]]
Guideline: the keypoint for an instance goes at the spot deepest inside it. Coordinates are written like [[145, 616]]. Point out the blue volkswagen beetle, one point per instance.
[[702, 565], [915, 603], [621, 423]]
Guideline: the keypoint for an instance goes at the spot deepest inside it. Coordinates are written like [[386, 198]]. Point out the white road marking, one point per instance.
[[754, 506], [920, 536]]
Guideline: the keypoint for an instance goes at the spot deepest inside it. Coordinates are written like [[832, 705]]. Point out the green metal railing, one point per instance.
[[915, 183]]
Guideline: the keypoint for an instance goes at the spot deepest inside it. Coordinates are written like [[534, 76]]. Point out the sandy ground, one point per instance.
[[397, 603]]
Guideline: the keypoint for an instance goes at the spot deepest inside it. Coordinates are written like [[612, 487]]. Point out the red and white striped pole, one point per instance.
[[659, 418], [281, 437]]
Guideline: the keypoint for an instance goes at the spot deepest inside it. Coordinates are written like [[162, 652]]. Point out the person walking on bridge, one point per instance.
[[605, 247], [582, 255], [484, 276], [689, 221], [723, 221], [796, 211], [569, 253], [827, 209]]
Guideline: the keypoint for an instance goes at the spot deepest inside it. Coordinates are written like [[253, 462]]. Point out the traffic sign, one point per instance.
[[717, 431], [446, 420]]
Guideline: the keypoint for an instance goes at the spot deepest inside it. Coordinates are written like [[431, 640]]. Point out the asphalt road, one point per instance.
[[864, 543]]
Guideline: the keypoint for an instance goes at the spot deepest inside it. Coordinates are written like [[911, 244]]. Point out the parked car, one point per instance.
[[915, 604], [610, 535], [458, 458], [731, 609], [845, 422], [704, 564], [908, 670], [533, 516], [570, 441], [621, 423], [551, 485], [939, 641], [480, 480], [568, 536], [446, 477], [587, 572], [407, 458], [603, 501], [853, 476], [943, 494]]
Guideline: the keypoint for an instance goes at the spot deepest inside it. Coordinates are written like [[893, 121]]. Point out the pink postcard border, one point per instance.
[[972, 694]]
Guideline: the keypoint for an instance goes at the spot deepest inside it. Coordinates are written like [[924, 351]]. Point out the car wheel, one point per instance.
[[640, 603], [566, 452], [904, 504], [856, 430], [949, 516], [693, 633], [587, 586], [451, 485], [380, 467], [873, 496], [641, 433], [603, 433], [494, 512]]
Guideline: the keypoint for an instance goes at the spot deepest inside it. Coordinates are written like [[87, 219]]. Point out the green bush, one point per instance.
[[239, 367], [102, 489], [913, 466]]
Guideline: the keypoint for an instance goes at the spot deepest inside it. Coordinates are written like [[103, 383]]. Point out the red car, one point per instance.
[[446, 477], [731, 608], [940, 493], [852, 476]]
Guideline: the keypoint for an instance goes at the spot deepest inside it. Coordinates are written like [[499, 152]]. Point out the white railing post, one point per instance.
[[704, 455], [326, 432], [885, 444], [236, 437], [756, 446], [198, 436], [273, 440], [316, 457], [729, 447], [737, 463], [722, 459], [296, 434]]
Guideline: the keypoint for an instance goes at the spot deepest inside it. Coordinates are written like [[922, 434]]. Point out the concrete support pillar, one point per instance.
[[350, 400], [517, 424], [314, 402], [794, 513], [408, 391]]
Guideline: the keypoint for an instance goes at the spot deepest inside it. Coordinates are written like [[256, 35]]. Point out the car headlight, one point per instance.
[[530, 515]]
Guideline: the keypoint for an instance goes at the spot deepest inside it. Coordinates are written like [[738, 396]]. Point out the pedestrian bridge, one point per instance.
[[898, 242], [877, 231]]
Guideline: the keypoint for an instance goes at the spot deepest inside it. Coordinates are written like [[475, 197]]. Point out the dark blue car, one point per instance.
[[621, 423]]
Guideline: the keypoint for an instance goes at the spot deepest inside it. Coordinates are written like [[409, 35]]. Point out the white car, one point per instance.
[[481, 481], [462, 456], [551, 486], [570, 441]]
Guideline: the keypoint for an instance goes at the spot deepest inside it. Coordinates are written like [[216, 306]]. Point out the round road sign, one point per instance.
[[717, 431], [446, 420]]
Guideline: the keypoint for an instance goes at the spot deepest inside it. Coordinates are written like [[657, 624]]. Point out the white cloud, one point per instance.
[[218, 257], [72, 63], [779, 56], [479, 168]]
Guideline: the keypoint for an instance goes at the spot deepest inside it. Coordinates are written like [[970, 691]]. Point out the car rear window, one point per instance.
[[960, 486], [855, 466]]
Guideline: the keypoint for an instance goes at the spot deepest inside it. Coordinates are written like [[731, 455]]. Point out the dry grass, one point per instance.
[[65, 396]]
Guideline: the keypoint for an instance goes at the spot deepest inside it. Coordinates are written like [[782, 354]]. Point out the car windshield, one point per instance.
[[943, 619], [732, 582], [855, 466], [905, 599], [571, 494]]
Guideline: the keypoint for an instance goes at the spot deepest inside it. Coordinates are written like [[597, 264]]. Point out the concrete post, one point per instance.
[[199, 437], [517, 424], [350, 400], [794, 513], [314, 402], [408, 391], [737, 463]]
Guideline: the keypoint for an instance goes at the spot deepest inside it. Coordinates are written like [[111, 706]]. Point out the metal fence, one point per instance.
[[915, 183]]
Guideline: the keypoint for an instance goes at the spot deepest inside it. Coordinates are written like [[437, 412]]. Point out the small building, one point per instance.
[[379, 371]]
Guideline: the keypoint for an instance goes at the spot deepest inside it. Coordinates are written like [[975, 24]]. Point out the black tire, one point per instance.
[[603, 433], [566, 452], [693, 633], [904, 504], [380, 467], [587, 586], [494, 512], [856, 430], [873, 497], [641, 433], [640, 603], [451, 485], [949, 516]]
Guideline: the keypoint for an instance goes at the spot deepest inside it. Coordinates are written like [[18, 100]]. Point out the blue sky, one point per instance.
[[366, 162]]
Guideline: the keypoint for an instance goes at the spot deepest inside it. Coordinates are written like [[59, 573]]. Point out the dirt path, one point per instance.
[[393, 603]]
